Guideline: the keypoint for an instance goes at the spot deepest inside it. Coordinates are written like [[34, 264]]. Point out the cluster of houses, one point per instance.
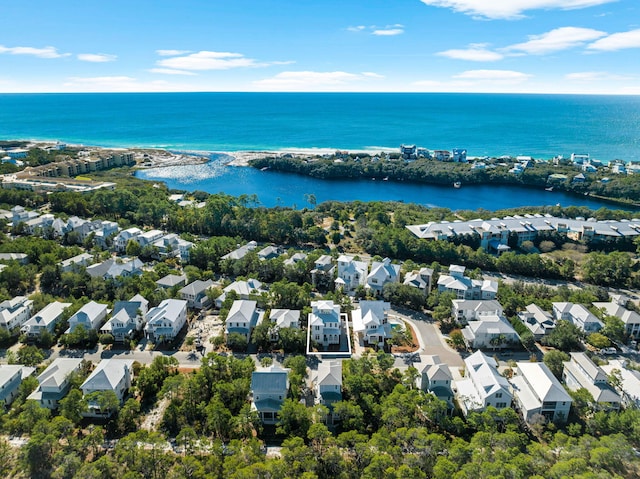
[[494, 234], [54, 382], [105, 233]]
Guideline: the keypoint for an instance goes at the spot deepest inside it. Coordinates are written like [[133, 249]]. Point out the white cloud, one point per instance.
[[207, 60], [510, 9], [555, 40], [172, 53], [617, 41], [169, 71], [508, 76], [313, 81], [46, 52], [473, 53], [96, 57], [386, 31]]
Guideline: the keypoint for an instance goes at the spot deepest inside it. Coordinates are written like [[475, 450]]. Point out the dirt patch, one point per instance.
[[414, 346]]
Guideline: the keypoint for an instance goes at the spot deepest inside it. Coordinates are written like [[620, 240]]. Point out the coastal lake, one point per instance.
[[286, 189]]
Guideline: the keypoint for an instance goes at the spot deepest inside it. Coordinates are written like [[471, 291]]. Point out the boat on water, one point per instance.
[[457, 184], [264, 169], [386, 178], [549, 189]]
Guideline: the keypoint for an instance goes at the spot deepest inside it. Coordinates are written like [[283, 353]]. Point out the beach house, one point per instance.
[[269, 389], [243, 317], [351, 273], [54, 382], [464, 287], [195, 294], [538, 321], [165, 321], [581, 372], [11, 375], [45, 320], [382, 272], [110, 375], [435, 377], [482, 386], [325, 324], [578, 315], [127, 318], [539, 395], [420, 279], [370, 322], [15, 312], [90, 316]]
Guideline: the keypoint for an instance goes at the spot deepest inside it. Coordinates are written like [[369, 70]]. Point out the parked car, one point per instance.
[[609, 351]]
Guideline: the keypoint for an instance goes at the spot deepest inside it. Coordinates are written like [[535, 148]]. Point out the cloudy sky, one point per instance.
[[537, 46]]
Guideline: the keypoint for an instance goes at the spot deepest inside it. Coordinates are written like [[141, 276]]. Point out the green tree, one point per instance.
[[30, 355], [295, 419], [73, 405], [554, 360]]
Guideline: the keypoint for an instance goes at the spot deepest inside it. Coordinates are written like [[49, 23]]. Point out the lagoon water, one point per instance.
[[542, 126], [275, 188]]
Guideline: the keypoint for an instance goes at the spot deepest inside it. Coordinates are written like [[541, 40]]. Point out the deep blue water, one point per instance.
[[275, 188], [606, 127]]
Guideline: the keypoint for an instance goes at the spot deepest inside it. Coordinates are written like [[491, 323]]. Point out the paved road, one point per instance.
[[431, 341]]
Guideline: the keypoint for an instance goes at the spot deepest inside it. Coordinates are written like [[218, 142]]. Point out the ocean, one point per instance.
[[542, 126]]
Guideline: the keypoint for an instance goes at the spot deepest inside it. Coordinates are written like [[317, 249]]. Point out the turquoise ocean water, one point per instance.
[[606, 127]]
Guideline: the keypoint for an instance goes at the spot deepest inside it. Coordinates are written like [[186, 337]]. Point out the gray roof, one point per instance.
[[107, 375], [171, 280], [197, 287]]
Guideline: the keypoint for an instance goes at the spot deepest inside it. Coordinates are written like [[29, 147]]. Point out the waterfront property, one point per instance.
[[494, 234], [539, 395]]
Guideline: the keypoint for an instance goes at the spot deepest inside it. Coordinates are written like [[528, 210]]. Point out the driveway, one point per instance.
[[432, 342]]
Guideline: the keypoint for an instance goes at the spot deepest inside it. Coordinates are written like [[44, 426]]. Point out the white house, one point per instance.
[[241, 252], [269, 389], [195, 294], [539, 394], [579, 315], [464, 287], [91, 316], [283, 319], [243, 316], [631, 319], [327, 384], [11, 375], [243, 290], [45, 320], [370, 321], [323, 270], [14, 312], [629, 388], [538, 321], [382, 272], [121, 240], [83, 259], [172, 280], [483, 385], [114, 269], [351, 273], [127, 318], [581, 372], [55, 381], [325, 323], [420, 279], [435, 377], [490, 331], [110, 375], [165, 321], [465, 310]]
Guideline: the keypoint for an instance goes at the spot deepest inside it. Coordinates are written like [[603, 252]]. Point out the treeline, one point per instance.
[[445, 173]]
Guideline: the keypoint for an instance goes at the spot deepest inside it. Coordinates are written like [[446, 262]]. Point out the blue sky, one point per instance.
[[534, 46]]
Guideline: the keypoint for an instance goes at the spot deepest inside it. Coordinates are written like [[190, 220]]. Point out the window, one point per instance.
[[501, 404], [498, 395]]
